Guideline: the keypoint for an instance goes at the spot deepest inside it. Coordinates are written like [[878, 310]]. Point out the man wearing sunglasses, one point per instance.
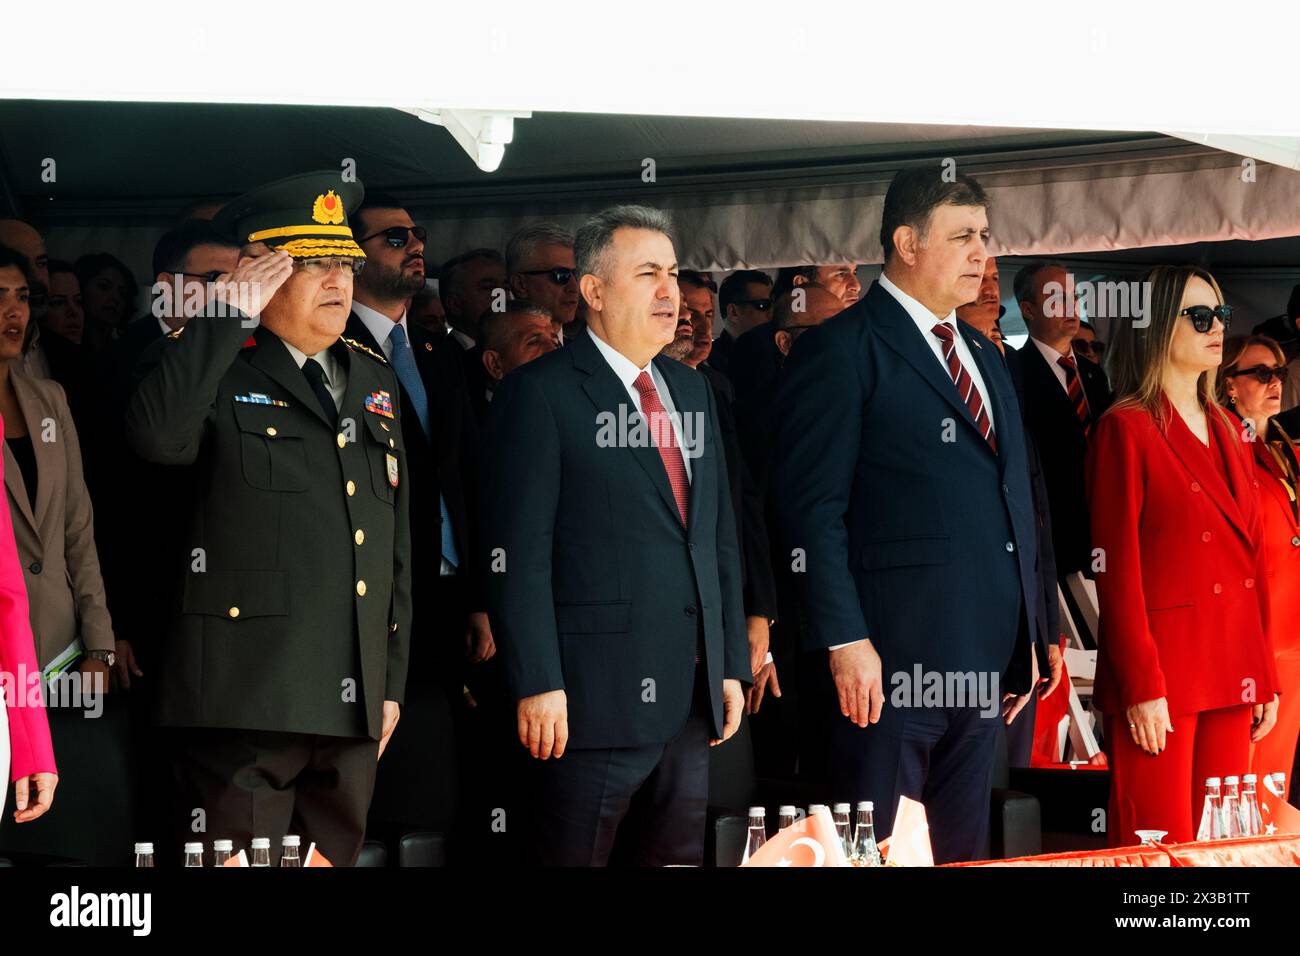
[[540, 264], [745, 300], [1065, 394], [416, 786]]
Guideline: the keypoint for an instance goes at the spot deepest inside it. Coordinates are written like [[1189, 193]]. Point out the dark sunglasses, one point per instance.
[[1203, 316], [1263, 373], [559, 275], [1084, 347], [399, 236], [762, 305]]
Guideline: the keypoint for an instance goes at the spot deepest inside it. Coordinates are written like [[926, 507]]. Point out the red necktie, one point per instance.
[[665, 439], [965, 384], [1074, 387]]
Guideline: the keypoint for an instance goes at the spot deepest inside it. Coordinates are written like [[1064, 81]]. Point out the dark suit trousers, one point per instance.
[[940, 756], [258, 783], [639, 806]]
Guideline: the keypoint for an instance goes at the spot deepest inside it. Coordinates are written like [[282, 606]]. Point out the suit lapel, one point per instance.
[[690, 403], [45, 452], [986, 355], [1196, 458], [901, 334], [273, 359], [607, 394], [17, 489]]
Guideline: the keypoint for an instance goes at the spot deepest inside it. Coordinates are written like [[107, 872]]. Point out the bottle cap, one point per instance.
[[1211, 781], [290, 840], [757, 812], [144, 848], [841, 808], [261, 843], [1231, 780], [866, 805], [1249, 778], [194, 848], [786, 810], [814, 807], [219, 845]]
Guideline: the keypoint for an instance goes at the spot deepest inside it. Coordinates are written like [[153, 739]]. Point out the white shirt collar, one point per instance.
[[380, 325], [1050, 353], [925, 319], [462, 339], [623, 366]]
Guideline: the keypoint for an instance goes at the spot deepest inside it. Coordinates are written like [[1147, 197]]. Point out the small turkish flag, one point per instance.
[[909, 844], [315, 857], [812, 841], [1277, 815]]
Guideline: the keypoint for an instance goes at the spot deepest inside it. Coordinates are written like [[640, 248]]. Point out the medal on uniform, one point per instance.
[[380, 403], [391, 460]]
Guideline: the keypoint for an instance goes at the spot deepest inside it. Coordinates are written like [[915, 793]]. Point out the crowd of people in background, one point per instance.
[[1131, 450]]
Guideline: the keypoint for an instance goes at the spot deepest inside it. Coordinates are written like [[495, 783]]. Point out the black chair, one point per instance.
[[1016, 825], [422, 849]]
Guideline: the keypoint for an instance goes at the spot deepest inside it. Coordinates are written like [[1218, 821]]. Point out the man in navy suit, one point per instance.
[[902, 485], [612, 569]]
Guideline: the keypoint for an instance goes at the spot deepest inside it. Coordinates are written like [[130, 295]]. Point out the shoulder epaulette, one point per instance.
[[176, 332], [356, 346]]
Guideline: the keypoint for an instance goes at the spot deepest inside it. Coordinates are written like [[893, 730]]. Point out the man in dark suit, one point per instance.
[[286, 663], [613, 577], [512, 337], [901, 478], [1064, 397], [416, 788]]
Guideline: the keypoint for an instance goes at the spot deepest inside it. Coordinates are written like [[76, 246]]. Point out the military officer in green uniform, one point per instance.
[[285, 666]]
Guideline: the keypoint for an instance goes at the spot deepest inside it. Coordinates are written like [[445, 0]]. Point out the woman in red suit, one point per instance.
[[1185, 672], [1250, 384], [26, 756]]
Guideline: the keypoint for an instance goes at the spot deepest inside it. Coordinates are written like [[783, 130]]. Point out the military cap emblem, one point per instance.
[[327, 209]]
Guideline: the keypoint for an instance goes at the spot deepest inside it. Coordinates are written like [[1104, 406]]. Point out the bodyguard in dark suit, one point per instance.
[[613, 578], [1065, 395], [286, 662], [901, 475], [417, 785]]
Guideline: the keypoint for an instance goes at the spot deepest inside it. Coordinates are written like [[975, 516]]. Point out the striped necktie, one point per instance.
[[965, 384], [1074, 388]]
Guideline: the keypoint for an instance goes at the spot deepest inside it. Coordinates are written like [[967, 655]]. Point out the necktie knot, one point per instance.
[[1067, 362], [944, 331], [316, 379], [398, 336], [645, 385]]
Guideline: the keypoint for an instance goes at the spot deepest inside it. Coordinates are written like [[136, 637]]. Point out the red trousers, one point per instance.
[[1167, 791]]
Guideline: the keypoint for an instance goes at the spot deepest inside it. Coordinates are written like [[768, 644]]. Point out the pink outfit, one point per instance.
[[30, 750]]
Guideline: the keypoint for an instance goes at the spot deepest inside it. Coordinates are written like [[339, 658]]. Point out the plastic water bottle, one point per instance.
[[289, 851], [1231, 808], [144, 855], [785, 817], [865, 852], [841, 815], [1251, 823], [757, 832], [221, 851], [261, 851], [1211, 827], [194, 854]]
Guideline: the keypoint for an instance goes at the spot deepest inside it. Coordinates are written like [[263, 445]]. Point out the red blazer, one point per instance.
[[29, 733], [1281, 545], [1184, 604]]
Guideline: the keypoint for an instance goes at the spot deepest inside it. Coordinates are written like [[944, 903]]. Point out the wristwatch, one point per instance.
[[104, 657]]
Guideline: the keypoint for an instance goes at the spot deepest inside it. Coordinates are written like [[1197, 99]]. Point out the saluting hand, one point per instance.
[[856, 670], [544, 724], [256, 278]]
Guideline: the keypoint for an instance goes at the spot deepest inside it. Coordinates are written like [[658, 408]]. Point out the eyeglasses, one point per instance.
[[560, 275], [762, 305], [1203, 316], [212, 276], [323, 267], [399, 236], [1263, 373]]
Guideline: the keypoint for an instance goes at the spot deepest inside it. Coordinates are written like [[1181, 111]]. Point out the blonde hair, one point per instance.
[[1138, 355], [1232, 350]]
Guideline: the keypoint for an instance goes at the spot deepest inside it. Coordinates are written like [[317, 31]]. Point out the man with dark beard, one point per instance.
[[416, 785]]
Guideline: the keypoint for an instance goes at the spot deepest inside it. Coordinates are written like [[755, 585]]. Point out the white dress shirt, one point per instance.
[[335, 378], [627, 373], [1053, 359], [380, 326]]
